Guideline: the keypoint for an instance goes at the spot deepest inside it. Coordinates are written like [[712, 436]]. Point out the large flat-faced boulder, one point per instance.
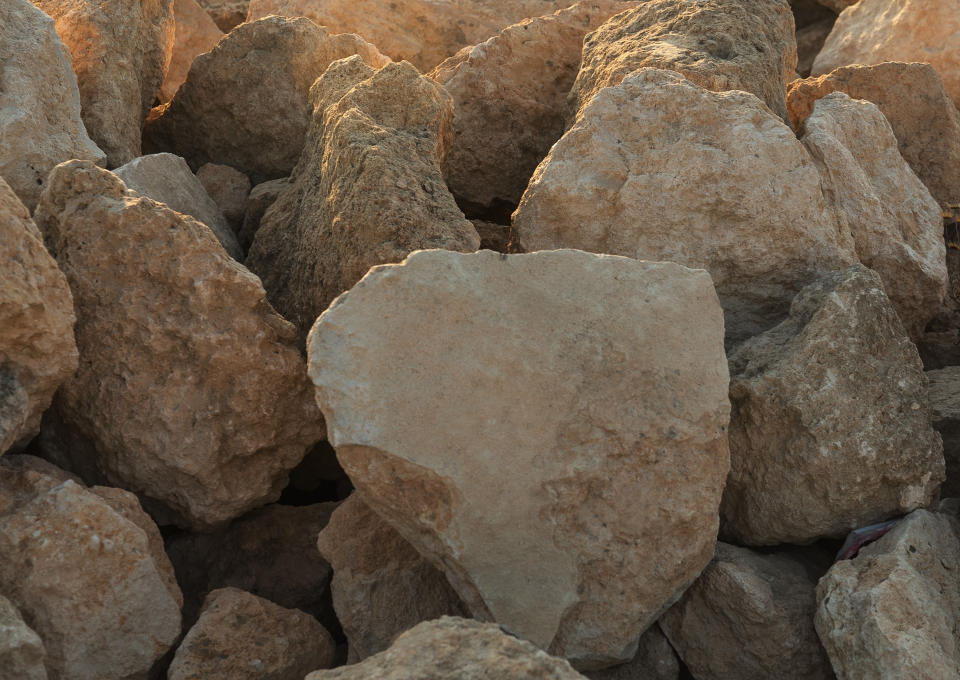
[[195, 34]]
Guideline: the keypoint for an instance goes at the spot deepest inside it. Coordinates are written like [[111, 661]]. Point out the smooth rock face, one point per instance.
[[40, 122], [208, 409], [21, 649], [709, 180], [84, 576], [912, 98], [895, 223], [195, 34], [945, 407], [892, 612], [241, 636], [260, 198], [654, 660], [368, 189], [228, 188], [167, 179], [750, 617], [456, 648], [244, 103], [531, 479], [717, 44], [121, 50], [381, 585], [37, 347], [830, 428]]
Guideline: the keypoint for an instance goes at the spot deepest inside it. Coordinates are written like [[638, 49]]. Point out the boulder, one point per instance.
[[40, 123], [244, 103], [830, 427], [526, 421], [195, 34], [120, 50], [228, 188], [226, 14], [259, 199], [945, 408], [654, 660], [21, 649], [810, 41], [191, 391]]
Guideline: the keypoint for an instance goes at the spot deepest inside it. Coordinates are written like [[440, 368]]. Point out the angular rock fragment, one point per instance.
[[810, 41], [654, 660], [21, 649], [195, 34], [945, 408], [226, 14], [260, 198], [228, 188]]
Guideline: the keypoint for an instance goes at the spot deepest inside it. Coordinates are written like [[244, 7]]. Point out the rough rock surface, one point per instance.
[[750, 617], [709, 180], [167, 179], [195, 34], [912, 98], [244, 103], [611, 440], [37, 347], [40, 123], [120, 50], [260, 198], [228, 188], [209, 408], [718, 44], [244, 637], [84, 576], [655, 660], [810, 41], [381, 585], [456, 648], [21, 649], [830, 427], [892, 612], [945, 407], [368, 189], [226, 14]]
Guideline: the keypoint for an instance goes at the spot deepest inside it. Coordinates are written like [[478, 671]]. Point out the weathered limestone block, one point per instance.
[[195, 34], [21, 649]]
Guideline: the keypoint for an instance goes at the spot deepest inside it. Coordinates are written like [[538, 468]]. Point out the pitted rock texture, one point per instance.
[[654, 660], [229, 189], [195, 34], [576, 407], [830, 428], [191, 391], [21, 649]]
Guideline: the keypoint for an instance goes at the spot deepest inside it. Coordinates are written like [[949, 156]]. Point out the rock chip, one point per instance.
[[195, 34], [260, 198], [21, 649], [191, 391], [655, 660], [555, 432], [945, 408], [228, 188], [830, 427], [226, 14]]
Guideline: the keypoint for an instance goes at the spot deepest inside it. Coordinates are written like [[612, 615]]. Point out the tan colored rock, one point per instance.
[[945, 408], [717, 44], [260, 198], [37, 347], [120, 50], [195, 34], [244, 103], [654, 660], [710, 180], [191, 391], [892, 612], [84, 577], [830, 427], [912, 98], [810, 41], [21, 649], [368, 189], [228, 188], [448, 442], [226, 14]]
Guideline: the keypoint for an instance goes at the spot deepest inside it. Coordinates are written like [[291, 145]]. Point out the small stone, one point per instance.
[[195, 34], [260, 198], [21, 649], [228, 188], [226, 14], [654, 660]]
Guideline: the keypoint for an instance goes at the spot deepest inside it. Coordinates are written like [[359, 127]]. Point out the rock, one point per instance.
[[37, 347], [717, 44], [655, 660], [914, 102], [21, 649], [456, 648], [810, 41], [543, 544], [896, 30], [226, 14], [40, 123], [167, 179], [340, 215], [84, 576], [750, 617], [807, 460], [381, 586], [495, 236], [891, 612], [710, 180], [837, 5], [510, 93], [120, 50], [239, 635], [260, 198], [244, 103], [195, 34], [945, 407], [228, 188], [191, 391]]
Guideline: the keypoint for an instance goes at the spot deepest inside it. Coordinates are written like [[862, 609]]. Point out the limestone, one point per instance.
[[525, 421], [195, 34], [191, 391], [914, 102], [830, 427], [891, 612], [21, 649], [718, 44], [120, 50], [750, 617], [945, 408], [259, 199], [456, 648], [242, 636], [40, 123], [84, 576], [709, 180], [167, 179], [381, 586], [244, 103], [226, 14], [228, 188], [37, 347], [368, 189], [655, 660]]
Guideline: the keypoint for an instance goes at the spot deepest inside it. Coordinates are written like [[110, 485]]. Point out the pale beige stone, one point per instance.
[[229, 188], [21, 649], [195, 34], [260, 198], [654, 660]]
